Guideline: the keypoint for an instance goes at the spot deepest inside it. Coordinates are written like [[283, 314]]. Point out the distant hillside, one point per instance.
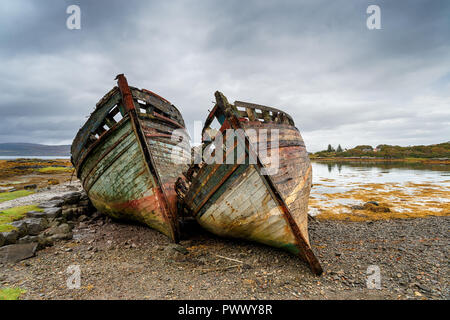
[[32, 149], [441, 150]]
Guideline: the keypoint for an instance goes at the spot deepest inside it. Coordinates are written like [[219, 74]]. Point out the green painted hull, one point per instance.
[[123, 163]]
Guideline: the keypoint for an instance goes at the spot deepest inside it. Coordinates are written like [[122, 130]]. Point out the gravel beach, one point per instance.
[[127, 261]]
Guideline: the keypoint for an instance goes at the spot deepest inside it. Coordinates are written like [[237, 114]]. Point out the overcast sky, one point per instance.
[[317, 60]]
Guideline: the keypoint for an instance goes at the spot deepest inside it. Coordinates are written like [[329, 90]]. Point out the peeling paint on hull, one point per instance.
[[237, 200], [126, 173]]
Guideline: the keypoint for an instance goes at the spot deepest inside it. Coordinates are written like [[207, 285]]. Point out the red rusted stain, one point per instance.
[[126, 92], [156, 114]]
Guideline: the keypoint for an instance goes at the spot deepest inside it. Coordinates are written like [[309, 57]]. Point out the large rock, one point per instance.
[[35, 214], [28, 239], [44, 241], [17, 252], [52, 213], [21, 227], [71, 198], [35, 225], [61, 236], [10, 236], [61, 229], [52, 203]]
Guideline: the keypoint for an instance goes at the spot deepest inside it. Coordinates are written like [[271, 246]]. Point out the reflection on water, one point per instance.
[[378, 172], [413, 188]]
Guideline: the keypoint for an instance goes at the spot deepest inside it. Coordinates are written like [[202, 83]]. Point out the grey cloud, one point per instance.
[[314, 59]]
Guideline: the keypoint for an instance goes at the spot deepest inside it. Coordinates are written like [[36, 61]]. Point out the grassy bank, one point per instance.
[[11, 293], [6, 196], [13, 214]]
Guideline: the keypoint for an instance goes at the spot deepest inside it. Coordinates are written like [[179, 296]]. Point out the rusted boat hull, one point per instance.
[[127, 160], [239, 199]]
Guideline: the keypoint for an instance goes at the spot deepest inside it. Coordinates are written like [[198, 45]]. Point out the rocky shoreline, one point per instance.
[[127, 261], [119, 260], [53, 220]]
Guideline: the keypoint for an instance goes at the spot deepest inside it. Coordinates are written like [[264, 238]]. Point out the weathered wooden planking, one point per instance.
[[254, 216], [158, 103], [94, 122], [125, 172], [245, 203]]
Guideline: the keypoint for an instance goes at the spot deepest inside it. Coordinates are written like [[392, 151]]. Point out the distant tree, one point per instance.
[[339, 148], [330, 148]]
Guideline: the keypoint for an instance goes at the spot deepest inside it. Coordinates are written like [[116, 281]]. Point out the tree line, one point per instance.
[[441, 150]]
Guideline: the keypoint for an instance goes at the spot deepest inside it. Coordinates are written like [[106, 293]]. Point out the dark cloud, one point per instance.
[[316, 60]]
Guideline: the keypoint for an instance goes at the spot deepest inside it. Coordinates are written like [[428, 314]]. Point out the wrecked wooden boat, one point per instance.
[[129, 154], [254, 197]]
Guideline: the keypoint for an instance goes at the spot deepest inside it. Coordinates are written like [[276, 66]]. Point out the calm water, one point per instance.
[[380, 172], [406, 187]]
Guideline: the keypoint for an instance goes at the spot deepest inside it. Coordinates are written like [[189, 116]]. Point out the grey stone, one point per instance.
[[36, 225], [52, 213], [52, 204], [67, 213], [71, 198], [61, 236], [17, 252], [10, 236], [28, 239], [35, 214], [82, 218], [176, 247], [30, 186], [21, 227], [44, 241], [61, 229]]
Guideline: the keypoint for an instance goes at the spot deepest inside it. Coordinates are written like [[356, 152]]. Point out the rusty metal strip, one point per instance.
[[160, 116], [125, 91], [167, 213]]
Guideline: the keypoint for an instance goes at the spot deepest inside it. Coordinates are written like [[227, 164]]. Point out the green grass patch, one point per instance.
[[55, 169], [7, 228], [14, 214], [11, 293], [6, 196]]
